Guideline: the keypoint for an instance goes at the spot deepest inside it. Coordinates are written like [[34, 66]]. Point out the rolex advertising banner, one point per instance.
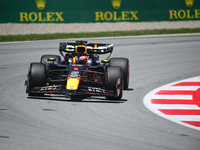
[[86, 11]]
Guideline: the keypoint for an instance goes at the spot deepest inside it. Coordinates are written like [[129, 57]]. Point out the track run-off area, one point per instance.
[[164, 78]]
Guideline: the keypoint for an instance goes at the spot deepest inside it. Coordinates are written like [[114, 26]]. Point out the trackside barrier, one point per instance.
[[85, 11]]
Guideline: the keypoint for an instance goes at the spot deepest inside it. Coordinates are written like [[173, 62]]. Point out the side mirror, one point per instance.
[[51, 59], [105, 61]]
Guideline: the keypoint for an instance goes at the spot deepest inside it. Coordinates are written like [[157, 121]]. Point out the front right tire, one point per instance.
[[37, 77]]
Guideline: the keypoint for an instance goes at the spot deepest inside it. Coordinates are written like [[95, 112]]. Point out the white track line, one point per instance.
[[175, 106], [182, 88], [177, 97], [185, 117]]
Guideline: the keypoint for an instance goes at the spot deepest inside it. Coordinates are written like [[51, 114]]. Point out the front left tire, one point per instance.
[[114, 82], [124, 64]]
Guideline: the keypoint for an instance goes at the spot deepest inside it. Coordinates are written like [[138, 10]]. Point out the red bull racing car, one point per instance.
[[80, 72]]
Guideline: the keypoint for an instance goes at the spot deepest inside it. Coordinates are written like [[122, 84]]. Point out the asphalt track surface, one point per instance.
[[93, 123]]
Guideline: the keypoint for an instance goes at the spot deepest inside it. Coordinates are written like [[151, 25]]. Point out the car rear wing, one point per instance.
[[83, 47]]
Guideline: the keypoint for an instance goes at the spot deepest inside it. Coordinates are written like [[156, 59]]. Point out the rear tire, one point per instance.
[[37, 77], [114, 82], [124, 64]]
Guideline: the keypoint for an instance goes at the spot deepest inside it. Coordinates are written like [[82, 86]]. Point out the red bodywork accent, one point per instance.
[[76, 69], [43, 92]]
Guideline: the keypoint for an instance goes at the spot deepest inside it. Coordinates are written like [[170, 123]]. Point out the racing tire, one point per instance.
[[37, 77], [44, 59], [114, 82], [124, 64]]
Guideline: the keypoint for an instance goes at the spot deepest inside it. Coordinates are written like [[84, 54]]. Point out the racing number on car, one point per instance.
[[95, 89], [48, 88], [74, 74]]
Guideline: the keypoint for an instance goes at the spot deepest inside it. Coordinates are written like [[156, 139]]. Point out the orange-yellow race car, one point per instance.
[[80, 72]]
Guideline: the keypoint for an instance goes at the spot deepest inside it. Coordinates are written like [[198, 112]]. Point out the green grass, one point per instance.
[[30, 37]]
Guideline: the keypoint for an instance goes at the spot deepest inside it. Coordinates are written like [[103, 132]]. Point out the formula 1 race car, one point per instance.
[[80, 72]]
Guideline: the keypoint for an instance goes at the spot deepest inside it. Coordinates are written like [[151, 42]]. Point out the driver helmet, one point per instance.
[[82, 59]]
